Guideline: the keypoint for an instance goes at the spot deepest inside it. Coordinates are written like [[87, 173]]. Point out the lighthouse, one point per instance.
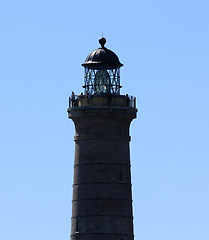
[[102, 195]]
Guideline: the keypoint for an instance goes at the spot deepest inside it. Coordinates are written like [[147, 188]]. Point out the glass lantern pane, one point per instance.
[[102, 81]]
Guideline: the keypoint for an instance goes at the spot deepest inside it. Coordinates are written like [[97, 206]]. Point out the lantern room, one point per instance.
[[102, 71], [102, 81]]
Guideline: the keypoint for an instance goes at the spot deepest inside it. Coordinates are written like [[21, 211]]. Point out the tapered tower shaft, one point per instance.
[[102, 199]]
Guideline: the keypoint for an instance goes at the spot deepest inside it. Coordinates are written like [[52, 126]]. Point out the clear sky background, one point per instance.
[[164, 46]]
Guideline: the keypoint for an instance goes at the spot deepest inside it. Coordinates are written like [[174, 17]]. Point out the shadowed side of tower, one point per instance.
[[102, 198]]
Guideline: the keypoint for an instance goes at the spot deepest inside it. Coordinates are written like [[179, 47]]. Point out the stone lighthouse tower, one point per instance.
[[102, 198]]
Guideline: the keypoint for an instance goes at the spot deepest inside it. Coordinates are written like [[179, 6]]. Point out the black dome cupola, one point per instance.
[[102, 71], [102, 57]]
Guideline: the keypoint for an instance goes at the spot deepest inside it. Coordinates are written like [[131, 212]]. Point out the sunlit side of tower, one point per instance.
[[102, 198]]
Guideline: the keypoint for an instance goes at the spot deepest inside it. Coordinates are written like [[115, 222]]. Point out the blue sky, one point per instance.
[[164, 48]]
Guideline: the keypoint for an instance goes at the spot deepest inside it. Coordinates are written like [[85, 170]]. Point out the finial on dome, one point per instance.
[[102, 41]]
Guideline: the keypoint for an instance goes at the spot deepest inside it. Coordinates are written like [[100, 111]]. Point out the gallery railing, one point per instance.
[[102, 100]]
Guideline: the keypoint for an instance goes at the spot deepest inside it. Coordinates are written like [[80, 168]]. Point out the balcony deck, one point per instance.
[[103, 100]]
